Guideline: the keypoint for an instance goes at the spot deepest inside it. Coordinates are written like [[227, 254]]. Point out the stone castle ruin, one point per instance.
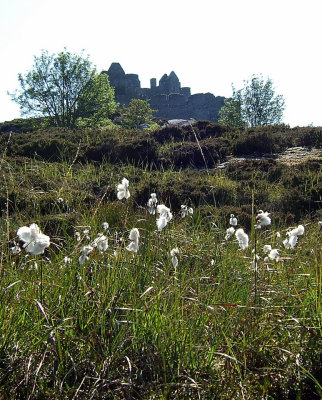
[[169, 99]]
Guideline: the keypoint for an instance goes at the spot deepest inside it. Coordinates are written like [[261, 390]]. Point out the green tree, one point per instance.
[[254, 105], [138, 112], [231, 113], [97, 102], [63, 87]]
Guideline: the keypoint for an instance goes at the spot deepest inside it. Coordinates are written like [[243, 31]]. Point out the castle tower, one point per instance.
[[163, 84], [174, 83], [116, 77], [169, 84], [115, 72], [153, 83]]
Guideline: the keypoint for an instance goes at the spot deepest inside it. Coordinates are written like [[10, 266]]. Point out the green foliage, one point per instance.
[[254, 105], [137, 113], [50, 144], [64, 87], [97, 103], [231, 113]]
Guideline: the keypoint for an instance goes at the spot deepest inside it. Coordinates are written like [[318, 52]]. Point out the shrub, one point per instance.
[[211, 130], [23, 125], [52, 144], [100, 152], [136, 150], [168, 134], [189, 154], [259, 143], [310, 137], [202, 154]]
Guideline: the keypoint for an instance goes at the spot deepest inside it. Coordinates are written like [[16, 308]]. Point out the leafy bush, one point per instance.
[[138, 112]]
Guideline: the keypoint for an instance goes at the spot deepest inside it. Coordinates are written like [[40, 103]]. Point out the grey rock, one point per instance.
[[144, 126], [177, 122]]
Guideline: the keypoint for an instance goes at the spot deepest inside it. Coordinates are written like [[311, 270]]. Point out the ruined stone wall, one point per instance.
[[169, 99], [202, 106]]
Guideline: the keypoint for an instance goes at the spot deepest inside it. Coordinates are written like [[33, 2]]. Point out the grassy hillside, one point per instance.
[[221, 322]]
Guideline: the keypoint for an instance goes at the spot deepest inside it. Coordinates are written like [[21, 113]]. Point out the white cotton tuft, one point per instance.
[[233, 220], [101, 243], [165, 216], [161, 222], [267, 248], [123, 189], [35, 240], [152, 203], [229, 232], [84, 253], [83, 258], [86, 250], [174, 252], [133, 246], [174, 259], [290, 242], [186, 211], [105, 226], [242, 238], [134, 234], [299, 231], [262, 219], [273, 255], [15, 249], [134, 237]]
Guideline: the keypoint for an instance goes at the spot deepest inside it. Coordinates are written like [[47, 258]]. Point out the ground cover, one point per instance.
[[91, 318]]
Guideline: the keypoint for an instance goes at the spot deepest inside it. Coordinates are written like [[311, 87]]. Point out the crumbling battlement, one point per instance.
[[169, 99]]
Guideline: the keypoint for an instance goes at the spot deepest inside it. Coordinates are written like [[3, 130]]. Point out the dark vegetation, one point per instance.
[[192, 152], [160, 147]]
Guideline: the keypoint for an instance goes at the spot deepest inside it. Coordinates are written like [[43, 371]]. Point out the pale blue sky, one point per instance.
[[210, 44]]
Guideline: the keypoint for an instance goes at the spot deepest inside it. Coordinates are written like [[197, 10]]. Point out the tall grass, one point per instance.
[[131, 326], [128, 325]]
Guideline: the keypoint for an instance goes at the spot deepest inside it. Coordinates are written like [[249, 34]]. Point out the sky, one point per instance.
[[210, 44]]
